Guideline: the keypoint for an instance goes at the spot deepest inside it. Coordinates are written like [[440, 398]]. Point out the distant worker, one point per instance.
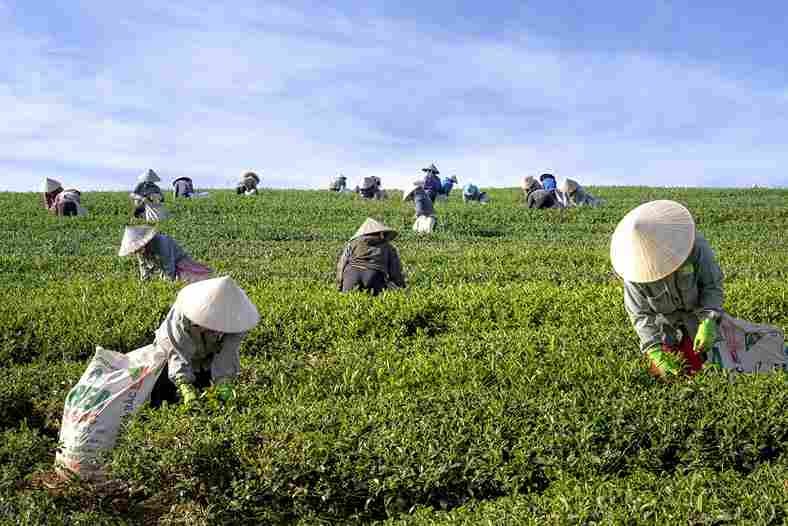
[[571, 194], [425, 214], [183, 186], [147, 198], [202, 334], [471, 192], [338, 184], [672, 286], [247, 185], [538, 197], [447, 186], [159, 254], [432, 183], [369, 262], [370, 188], [548, 182], [62, 202]]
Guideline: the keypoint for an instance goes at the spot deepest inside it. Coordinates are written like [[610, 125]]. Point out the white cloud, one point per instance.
[[299, 95]]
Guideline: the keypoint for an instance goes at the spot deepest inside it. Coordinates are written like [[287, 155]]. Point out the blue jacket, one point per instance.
[[448, 184]]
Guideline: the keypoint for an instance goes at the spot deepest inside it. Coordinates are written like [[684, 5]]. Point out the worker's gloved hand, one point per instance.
[[706, 336], [188, 393], [663, 363], [225, 391]]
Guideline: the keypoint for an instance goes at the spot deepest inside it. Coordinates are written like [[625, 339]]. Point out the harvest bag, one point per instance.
[[424, 224], [749, 348], [112, 388]]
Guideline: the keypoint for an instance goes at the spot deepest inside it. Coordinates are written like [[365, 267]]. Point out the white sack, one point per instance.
[[424, 224], [112, 388], [748, 347]]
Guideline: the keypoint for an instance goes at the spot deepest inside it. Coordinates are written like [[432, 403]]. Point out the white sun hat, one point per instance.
[[652, 241], [218, 304], [134, 238], [568, 186], [149, 177], [249, 173], [372, 226], [50, 185], [408, 193]]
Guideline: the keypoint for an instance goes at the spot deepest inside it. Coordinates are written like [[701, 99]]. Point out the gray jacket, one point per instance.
[[678, 301], [422, 203], [578, 198], [161, 255], [193, 349]]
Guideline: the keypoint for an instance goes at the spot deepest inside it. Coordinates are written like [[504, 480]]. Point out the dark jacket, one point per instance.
[[370, 253], [423, 203], [183, 188], [542, 199], [432, 185]]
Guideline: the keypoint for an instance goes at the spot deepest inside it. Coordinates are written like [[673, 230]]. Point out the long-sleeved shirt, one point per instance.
[[542, 199], [677, 301], [161, 255], [367, 253], [422, 203], [192, 348], [183, 188], [447, 186], [578, 198]]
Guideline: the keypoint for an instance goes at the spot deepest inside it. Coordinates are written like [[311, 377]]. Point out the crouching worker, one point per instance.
[[446, 187], [62, 202], [472, 193], [248, 184], [425, 214], [672, 286], [536, 196], [338, 184], [159, 254], [183, 187], [369, 261], [202, 334], [571, 194]]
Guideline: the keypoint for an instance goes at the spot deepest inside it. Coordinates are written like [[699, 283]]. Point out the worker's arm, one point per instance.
[[343, 261], [643, 318], [395, 268], [173, 337], [709, 277], [226, 365]]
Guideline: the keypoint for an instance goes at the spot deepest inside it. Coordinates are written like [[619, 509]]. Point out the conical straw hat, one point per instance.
[[182, 178], [568, 186], [652, 241], [530, 182], [431, 168], [50, 185], [148, 177], [250, 174], [371, 226], [218, 304], [134, 238]]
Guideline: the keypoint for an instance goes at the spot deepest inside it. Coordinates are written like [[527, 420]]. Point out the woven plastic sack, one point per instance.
[[424, 224], [155, 213], [112, 388], [746, 347]]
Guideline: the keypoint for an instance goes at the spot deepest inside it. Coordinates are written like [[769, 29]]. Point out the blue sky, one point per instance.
[[653, 93]]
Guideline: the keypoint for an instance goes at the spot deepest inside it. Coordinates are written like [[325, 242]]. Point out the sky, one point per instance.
[[658, 93]]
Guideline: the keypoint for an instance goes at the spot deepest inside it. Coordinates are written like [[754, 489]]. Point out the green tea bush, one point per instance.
[[504, 386]]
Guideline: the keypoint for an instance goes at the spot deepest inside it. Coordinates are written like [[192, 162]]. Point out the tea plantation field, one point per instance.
[[503, 387]]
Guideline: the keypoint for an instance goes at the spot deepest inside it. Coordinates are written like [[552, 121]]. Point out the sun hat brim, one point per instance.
[[652, 241]]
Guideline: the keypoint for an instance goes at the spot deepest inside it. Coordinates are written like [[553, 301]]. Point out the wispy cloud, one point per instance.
[[299, 94]]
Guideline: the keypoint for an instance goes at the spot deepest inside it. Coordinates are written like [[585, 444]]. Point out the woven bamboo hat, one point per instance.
[[134, 238], [252, 175], [149, 177], [50, 185], [218, 304], [530, 183], [182, 178], [652, 241], [568, 186], [371, 226]]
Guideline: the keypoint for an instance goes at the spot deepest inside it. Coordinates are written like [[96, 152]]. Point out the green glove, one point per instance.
[[224, 391], [706, 336], [188, 393], [664, 363]]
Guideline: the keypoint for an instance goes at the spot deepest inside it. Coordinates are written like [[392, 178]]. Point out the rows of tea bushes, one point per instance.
[[503, 387]]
